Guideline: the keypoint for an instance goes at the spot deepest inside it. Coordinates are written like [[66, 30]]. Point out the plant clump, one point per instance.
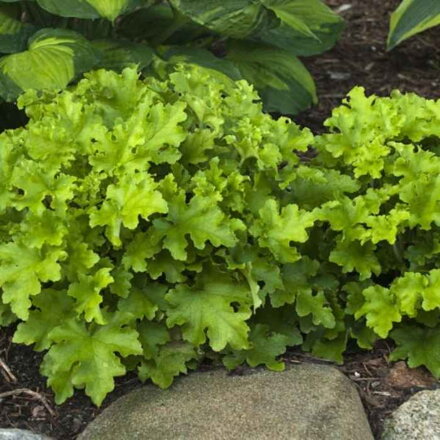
[[146, 224]]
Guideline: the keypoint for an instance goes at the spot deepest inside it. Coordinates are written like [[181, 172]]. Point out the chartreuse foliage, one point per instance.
[[145, 224], [47, 44], [412, 17]]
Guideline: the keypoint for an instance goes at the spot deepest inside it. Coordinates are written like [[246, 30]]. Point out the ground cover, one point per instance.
[[359, 58]]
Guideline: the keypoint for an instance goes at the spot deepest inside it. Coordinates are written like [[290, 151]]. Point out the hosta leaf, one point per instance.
[[13, 33], [202, 57], [307, 27], [109, 9], [148, 24], [232, 18], [302, 27], [283, 82], [117, 54], [53, 59], [412, 17]]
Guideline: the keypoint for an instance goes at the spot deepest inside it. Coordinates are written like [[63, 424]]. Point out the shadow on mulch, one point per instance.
[[359, 58]]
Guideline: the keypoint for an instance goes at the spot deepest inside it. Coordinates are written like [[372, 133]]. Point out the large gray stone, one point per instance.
[[306, 402], [417, 419], [20, 434]]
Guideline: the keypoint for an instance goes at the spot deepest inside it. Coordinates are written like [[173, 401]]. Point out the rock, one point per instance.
[[417, 419], [307, 401], [20, 434]]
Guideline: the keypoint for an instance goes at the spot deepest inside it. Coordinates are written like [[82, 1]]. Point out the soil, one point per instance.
[[360, 58]]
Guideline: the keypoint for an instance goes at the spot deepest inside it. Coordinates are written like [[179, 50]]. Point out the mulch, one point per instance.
[[360, 58]]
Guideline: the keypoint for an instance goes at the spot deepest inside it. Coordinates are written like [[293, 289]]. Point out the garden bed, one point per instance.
[[358, 59]]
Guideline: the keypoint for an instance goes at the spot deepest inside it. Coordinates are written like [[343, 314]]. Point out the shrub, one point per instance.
[[412, 17], [51, 43], [147, 224]]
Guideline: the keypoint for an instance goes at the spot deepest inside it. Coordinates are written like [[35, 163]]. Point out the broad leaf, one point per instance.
[[117, 54], [306, 27], [13, 33], [202, 57], [412, 17], [282, 81], [53, 59], [109, 9], [302, 27]]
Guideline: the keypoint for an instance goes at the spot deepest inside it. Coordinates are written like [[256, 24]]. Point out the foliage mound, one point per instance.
[[147, 224]]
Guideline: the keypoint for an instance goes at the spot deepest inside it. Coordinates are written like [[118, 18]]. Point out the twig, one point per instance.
[[8, 373], [31, 393]]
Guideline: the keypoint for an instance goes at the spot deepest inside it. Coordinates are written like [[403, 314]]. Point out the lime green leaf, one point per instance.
[[81, 357], [380, 309], [141, 301], [170, 361], [22, 270], [87, 290], [69, 53], [317, 306], [412, 17], [282, 81], [431, 295], [266, 346], [6, 315], [53, 308], [277, 231], [208, 308], [133, 197], [201, 219], [13, 32], [296, 278], [354, 256], [109, 9], [331, 349], [408, 291], [164, 358], [420, 345]]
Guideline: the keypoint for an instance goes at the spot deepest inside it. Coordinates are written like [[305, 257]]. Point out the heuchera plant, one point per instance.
[[147, 224]]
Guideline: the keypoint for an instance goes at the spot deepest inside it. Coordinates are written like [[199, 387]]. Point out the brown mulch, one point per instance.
[[359, 58]]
